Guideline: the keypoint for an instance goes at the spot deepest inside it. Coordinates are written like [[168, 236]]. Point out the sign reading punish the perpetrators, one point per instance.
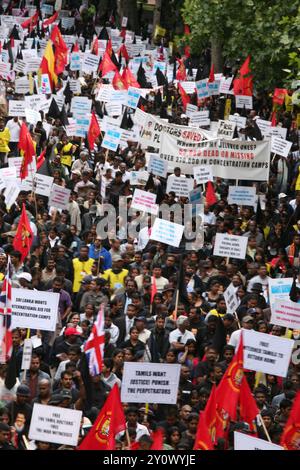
[[242, 195], [231, 159], [266, 353], [34, 309], [286, 313], [55, 424], [167, 232], [230, 246], [244, 442], [150, 383]]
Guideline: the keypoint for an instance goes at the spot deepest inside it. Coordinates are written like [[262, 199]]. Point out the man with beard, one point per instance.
[[220, 309]]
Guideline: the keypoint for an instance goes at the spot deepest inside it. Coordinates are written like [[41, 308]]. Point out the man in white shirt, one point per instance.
[[262, 278], [132, 423], [144, 334], [14, 126], [113, 330], [209, 218], [160, 281], [179, 337], [247, 324]]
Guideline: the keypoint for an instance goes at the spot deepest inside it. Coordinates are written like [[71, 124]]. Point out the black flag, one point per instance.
[[103, 34], [161, 79], [54, 111]]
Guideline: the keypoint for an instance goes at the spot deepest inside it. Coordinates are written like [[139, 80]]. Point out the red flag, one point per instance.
[[248, 406], [40, 160], [50, 20], [211, 77], [153, 289], [279, 95], [187, 51], [184, 96], [210, 194], [290, 438], [109, 48], [25, 144], [118, 82], [61, 50], [93, 132], [95, 47], [245, 68], [244, 84], [24, 236], [158, 439], [187, 30], [181, 72], [123, 51], [123, 32], [273, 119], [206, 430], [228, 390], [110, 421], [75, 47], [129, 78], [107, 65], [31, 22]]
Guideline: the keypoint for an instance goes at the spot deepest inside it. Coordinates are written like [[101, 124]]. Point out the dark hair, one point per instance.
[[108, 363], [285, 403]]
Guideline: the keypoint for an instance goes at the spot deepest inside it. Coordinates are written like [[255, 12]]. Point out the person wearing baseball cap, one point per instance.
[[179, 337], [25, 280], [247, 324]]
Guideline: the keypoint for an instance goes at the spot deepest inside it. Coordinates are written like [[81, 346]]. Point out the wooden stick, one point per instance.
[[264, 428], [146, 412]]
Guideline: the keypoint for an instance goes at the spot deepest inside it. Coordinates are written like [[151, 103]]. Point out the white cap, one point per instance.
[[281, 195], [26, 276]]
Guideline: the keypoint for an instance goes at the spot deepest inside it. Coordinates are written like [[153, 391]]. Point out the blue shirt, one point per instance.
[[103, 253]]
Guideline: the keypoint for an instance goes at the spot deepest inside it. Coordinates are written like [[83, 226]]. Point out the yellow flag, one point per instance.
[[159, 31], [31, 87], [227, 108], [288, 103], [49, 56], [298, 121]]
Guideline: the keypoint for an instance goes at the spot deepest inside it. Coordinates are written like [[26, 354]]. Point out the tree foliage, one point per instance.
[[268, 30]]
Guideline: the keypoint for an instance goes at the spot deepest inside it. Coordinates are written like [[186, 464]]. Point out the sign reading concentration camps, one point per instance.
[[150, 383], [266, 353], [233, 159], [286, 313], [34, 309], [231, 246], [55, 424]]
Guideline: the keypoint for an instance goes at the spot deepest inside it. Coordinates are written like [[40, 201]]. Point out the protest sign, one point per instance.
[[196, 201], [231, 299], [150, 383], [22, 86], [167, 232], [202, 89], [239, 120], [199, 119], [203, 174], [90, 62], [144, 201], [114, 109], [59, 197], [231, 246], [226, 129], [213, 87], [242, 101], [180, 185], [81, 106], [191, 109], [280, 146], [286, 313], [156, 166], [75, 62], [7, 175], [45, 88], [43, 184], [279, 290], [75, 86], [264, 126], [124, 21], [35, 102], [16, 108], [112, 138], [244, 442], [33, 309], [27, 351], [11, 193], [32, 116], [228, 158], [133, 96], [189, 87], [277, 132], [242, 195], [225, 85], [139, 177], [266, 353], [55, 424]]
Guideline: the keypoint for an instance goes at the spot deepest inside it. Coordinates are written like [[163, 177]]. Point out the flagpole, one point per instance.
[[264, 427]]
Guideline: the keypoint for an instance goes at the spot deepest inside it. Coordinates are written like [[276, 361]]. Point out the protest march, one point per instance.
[[149, 241]]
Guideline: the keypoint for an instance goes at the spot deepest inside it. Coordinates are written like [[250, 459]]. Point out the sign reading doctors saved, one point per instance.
[[150, 383], [233, 159]]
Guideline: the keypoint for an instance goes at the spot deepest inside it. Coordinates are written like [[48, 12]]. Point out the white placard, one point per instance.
[[75, 62], [11, 193], [231, 299], [59, 197], [27, 351], [277, 132], [124, 21], [242, 195], [225, 85], [144, 201], [226, 129], [90, 62], [264, 126], [181, 186], [266, 353], [22, 86], [43, 184], [202, 89], [167, 232], [189, 87], [55, 424], [242, 101], [286, 313], [214, 87], [200, 119], [244, 442], [156, 166], [280, 146], [34, 309], [203, 174], [139, 177], [7, 175], [35, 102], [32, 116], [81, 106], [112, 138], [144, 382], [279, 290], [75, 86], [231, 246], [239, 120], [191, 109], [45, 88], [16, 108], [133, 96], [113, 109]]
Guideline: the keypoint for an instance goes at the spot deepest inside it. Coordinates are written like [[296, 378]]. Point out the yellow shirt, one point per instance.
[[4, 140], [66, 154], [116, 281], [81, 269]]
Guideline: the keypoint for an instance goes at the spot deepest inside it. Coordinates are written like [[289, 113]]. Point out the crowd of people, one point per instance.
[[176, 324]]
